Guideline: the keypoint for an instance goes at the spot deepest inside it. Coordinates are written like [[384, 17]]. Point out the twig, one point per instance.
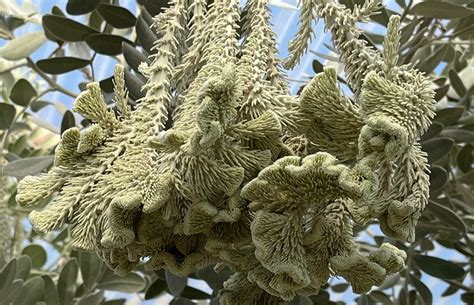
[[458, 285], [92, 66], [59, 47], [18, 237]]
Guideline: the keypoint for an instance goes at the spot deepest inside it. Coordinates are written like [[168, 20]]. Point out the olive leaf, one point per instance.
[[422, 290], [67, 282], [107, 44], [449, 116], [464, 158], [27, 166], [437, 148], [439, 268], [22, 93], [175, 283], [7, 115], [68, 121], [116, 16], [130, 283], [441, 10], [446, 215], [194, 294], [81, 7], [155, 289], [59, 65], [51, 296], [438, 178], [66, 29]]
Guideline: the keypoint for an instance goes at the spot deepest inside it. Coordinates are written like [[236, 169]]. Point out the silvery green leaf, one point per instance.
[[23, 267], [59, 65], [51, 296], [27, 166], [23, 46], [439, 268], [31, 292], [67, 282], [93, 299], [7, 115], [155, 289], [22, 93], [441, 10], [91, 269], [129, 283], [7, 276], [175, 283]]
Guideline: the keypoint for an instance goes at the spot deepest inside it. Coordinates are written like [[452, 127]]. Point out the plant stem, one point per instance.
[[18, 236], [458, 285], [92, 66]]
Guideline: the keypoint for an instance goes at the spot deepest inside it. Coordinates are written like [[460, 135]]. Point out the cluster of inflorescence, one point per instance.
[[228, 183]]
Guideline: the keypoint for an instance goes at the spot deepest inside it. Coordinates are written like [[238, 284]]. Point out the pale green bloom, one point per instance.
[[246, 176]]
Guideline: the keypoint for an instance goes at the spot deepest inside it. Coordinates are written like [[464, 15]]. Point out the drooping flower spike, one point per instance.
[[219, 165]]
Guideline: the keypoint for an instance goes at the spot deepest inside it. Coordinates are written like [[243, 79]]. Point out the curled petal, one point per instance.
[[91, 105], [279, 247], [389, 257], [31, 190], [90, 138], [66, 152], [361, 273], [123, 213]]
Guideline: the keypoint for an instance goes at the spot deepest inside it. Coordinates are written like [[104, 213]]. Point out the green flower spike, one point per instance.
[[218, 164]]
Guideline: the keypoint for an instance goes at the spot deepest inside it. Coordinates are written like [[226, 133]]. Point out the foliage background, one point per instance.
[[51, 49]]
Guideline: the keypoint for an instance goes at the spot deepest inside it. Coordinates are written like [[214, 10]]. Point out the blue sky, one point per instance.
[[284, 20]]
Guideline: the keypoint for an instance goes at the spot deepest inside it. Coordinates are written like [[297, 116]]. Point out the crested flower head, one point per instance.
[[217, 164]]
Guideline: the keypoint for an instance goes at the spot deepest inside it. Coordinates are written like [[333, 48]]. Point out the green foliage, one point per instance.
[[22, 93], [27, 166], [442, 10], [116, 16], [439, 268], [66, 29], [59, 65], [20, 284], [37, 255], [7, 115]]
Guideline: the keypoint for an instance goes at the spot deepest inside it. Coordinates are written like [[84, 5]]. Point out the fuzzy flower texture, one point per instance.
[[218, 164]]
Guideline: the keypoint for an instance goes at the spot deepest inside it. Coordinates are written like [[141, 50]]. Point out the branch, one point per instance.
[[458, 285]]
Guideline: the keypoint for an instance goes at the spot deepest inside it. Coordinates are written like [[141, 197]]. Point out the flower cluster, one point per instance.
[[206, 170]]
